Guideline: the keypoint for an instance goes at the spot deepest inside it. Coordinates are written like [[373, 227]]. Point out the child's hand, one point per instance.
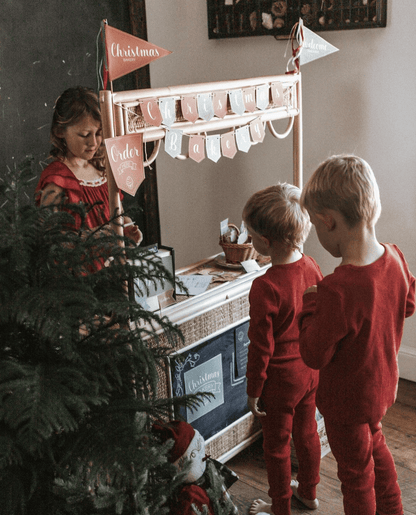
[[311, 289], [132, 231], [252, 403]]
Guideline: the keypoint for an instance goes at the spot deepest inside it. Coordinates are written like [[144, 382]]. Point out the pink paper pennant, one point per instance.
[[228, 146], [257, 130], [196, 148], [277, 93], [125, 155], [189, 108], [151, 112], [219, 99], [126, 53]]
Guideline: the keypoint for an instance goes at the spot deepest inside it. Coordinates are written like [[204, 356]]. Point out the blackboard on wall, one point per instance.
[[47, 46]]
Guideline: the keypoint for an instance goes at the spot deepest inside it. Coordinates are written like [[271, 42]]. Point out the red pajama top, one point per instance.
[[275, 303], [351, 330]]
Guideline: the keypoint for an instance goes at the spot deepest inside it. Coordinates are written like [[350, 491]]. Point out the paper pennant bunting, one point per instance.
[[237, 101], [314, 47], [277, 94], [151, 112], [189, 108], [167, 108], [242, 135], [219, 99], [125, 155], [205, 106], [249, 96], [262, 97], [173, 142], [214, 147], [257, 130], [126, 53], [196, 148], [228, 146]]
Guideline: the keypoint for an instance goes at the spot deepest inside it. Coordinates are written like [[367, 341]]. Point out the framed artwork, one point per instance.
[[243, 18]]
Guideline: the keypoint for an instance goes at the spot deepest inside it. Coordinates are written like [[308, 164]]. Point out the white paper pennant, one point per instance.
[[173, 142], [314, 47], [237, 101], [205, 106], [213, 144], [168, 110], [262, 97], [242, 135]]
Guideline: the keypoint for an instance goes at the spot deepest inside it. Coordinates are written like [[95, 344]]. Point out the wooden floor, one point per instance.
[[399, 427]]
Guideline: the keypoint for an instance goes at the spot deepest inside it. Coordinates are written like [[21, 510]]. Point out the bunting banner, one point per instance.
[[126, 53], [125, 155]]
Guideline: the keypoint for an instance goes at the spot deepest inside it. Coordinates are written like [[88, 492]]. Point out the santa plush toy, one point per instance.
[[204, 491]]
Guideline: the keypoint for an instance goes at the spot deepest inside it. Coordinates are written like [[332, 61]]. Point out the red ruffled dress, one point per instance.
[[76, 191]]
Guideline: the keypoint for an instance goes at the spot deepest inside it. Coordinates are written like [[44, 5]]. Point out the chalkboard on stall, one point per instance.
[[216, 365]]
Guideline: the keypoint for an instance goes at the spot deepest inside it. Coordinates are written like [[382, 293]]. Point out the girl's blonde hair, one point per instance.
[[344, 183], [276, 214]]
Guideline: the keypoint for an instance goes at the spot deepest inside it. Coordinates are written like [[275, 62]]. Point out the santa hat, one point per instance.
[[181, 432]]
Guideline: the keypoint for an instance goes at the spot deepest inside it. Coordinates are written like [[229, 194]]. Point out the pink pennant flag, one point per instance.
[[151, 112], [219, 99], [126, 53], [125, 155], [196, 148], [228, 146], [189, 108], [277, 94]]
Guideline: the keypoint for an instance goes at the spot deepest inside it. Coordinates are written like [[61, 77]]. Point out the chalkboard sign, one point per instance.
[[45, 48], [216, 365]]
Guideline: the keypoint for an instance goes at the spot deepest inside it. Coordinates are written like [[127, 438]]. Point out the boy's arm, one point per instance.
[[263, 308], [322, 326], [410, 303]]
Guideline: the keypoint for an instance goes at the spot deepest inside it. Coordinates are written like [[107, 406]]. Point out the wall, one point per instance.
[[360, 99]]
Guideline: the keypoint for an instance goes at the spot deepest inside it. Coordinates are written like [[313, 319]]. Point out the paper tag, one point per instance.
[[250, 265], [195, 284], [224, 227]]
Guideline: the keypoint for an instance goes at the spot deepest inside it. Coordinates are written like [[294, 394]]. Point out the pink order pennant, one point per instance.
[[277, 93], [125, 155], [257, 130]]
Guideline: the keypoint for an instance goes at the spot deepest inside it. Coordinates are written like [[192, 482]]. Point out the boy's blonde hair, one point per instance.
[[276, 214], [344, 183]]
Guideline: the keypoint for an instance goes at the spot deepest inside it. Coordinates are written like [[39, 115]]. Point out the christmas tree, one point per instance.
[[79, 366]]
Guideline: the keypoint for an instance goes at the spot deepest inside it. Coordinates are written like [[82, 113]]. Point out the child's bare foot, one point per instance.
[[259, 507]]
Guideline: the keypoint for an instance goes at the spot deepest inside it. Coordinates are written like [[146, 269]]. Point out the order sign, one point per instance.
[[125, 155]]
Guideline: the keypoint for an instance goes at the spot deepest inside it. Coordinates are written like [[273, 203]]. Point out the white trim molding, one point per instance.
[[407, 363]]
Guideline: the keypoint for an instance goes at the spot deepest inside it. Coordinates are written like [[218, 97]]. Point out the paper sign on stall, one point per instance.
[[314, 47], [125, 155]]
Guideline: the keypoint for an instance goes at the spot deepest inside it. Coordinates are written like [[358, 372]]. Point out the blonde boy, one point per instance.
[[351, 327], [281, 388]]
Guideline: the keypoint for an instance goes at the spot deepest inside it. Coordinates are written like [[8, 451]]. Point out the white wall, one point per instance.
[[360, 99]]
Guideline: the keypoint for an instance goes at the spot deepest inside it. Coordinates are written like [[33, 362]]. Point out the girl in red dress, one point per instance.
[[78, 172]]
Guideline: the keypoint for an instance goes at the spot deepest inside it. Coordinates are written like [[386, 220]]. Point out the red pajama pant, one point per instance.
[[290, 410], [365, 468]]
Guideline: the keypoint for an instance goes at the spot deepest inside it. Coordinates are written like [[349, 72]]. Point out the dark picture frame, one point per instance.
[[245, 18]]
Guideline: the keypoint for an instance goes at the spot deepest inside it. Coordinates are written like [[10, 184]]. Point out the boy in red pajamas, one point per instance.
[[281, 388], [351, 327]]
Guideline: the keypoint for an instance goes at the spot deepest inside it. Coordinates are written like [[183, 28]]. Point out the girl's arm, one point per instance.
[[51, 195]]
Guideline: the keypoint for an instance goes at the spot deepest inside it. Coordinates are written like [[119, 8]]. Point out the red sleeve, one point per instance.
[[264, 307], [59, 174], [322, 326]]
